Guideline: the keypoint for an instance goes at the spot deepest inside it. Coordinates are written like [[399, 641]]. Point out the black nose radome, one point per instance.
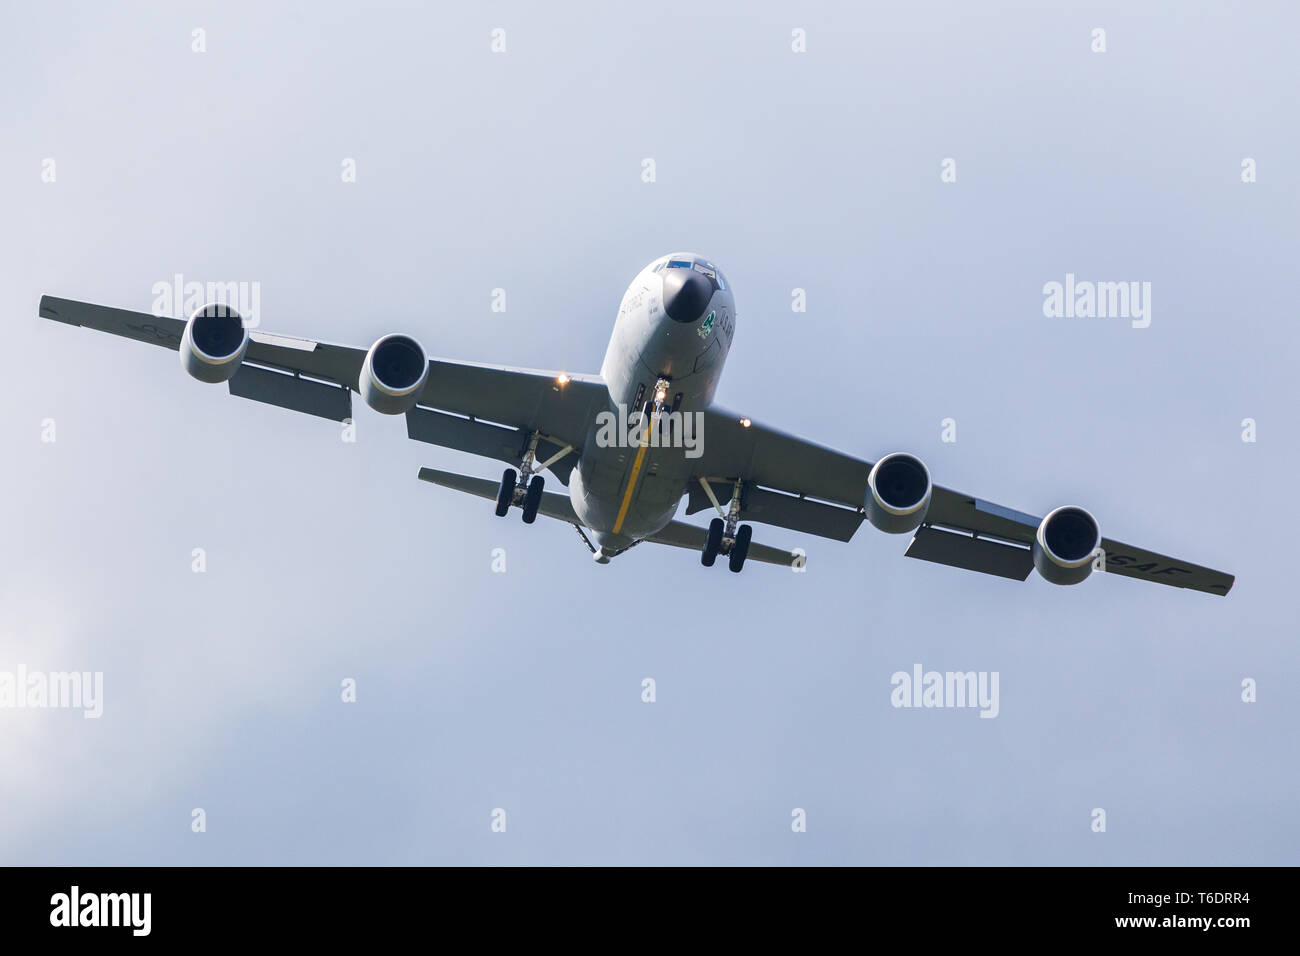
[[686, 293]]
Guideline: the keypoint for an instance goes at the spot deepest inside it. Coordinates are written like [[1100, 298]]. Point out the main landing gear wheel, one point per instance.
[[713, 543], [740, 547], [506, 493], [533, 498]]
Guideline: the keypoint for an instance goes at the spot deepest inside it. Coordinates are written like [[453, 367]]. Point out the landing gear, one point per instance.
[[713, 543], [724, 536], [524, 488], [506, 493], [533, 498], [739, 548]]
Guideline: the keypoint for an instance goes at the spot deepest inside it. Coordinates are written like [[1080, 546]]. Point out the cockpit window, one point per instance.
[[714, 274], [702, 266]]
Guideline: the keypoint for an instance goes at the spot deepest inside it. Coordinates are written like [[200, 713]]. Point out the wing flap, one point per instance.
[[292, 392], [971, 553], [952, 509]]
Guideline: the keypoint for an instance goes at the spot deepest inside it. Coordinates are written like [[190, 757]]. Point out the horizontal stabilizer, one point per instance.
[[679, 534], [553, 505]]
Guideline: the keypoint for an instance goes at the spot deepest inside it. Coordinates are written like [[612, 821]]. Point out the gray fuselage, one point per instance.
[[675, 323]]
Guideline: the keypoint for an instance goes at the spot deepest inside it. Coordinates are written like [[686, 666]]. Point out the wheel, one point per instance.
[[506, 492], [736, 560], [712, 543], [533, 498]]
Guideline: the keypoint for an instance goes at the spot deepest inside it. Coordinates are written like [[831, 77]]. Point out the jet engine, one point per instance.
[[898, 493], [1066, 544], [214, 343], [393, 374]]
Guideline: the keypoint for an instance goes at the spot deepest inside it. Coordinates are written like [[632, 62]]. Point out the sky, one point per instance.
[[129, 157]]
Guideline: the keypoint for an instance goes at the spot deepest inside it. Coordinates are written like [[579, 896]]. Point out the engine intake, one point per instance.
[[898, 493], [1066, 545], [393, 374], [214, 343]]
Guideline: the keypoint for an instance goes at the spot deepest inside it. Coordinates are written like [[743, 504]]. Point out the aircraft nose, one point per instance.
[[686, 293]]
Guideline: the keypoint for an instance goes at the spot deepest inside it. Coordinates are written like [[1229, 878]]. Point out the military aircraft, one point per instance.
[[632, 441]]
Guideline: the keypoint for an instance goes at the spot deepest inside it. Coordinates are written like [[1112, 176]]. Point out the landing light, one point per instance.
[[660, 395], [745, 423], [562, 379]]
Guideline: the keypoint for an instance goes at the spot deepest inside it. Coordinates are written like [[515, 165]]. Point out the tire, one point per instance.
[[506, 492], [533, 498], [712, 543], [736, 560]]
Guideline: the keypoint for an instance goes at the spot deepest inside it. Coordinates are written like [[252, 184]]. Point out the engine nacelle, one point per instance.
[[1066, 545], [214, 343], [898, 493], [393, 374]]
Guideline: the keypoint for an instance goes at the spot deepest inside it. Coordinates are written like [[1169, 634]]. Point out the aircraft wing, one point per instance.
[[482, 409], [788, 481], [797, 484], [987, 524]]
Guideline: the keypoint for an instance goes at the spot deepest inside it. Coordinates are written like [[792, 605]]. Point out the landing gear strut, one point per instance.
[[524, 488], [724, 536]]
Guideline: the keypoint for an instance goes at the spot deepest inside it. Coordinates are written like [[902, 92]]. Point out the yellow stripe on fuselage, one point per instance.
[[631, 486]]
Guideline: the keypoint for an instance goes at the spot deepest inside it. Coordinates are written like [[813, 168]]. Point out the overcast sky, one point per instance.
[[523, 170]]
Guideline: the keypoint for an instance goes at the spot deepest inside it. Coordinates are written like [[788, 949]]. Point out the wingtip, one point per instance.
[[52, 307]]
